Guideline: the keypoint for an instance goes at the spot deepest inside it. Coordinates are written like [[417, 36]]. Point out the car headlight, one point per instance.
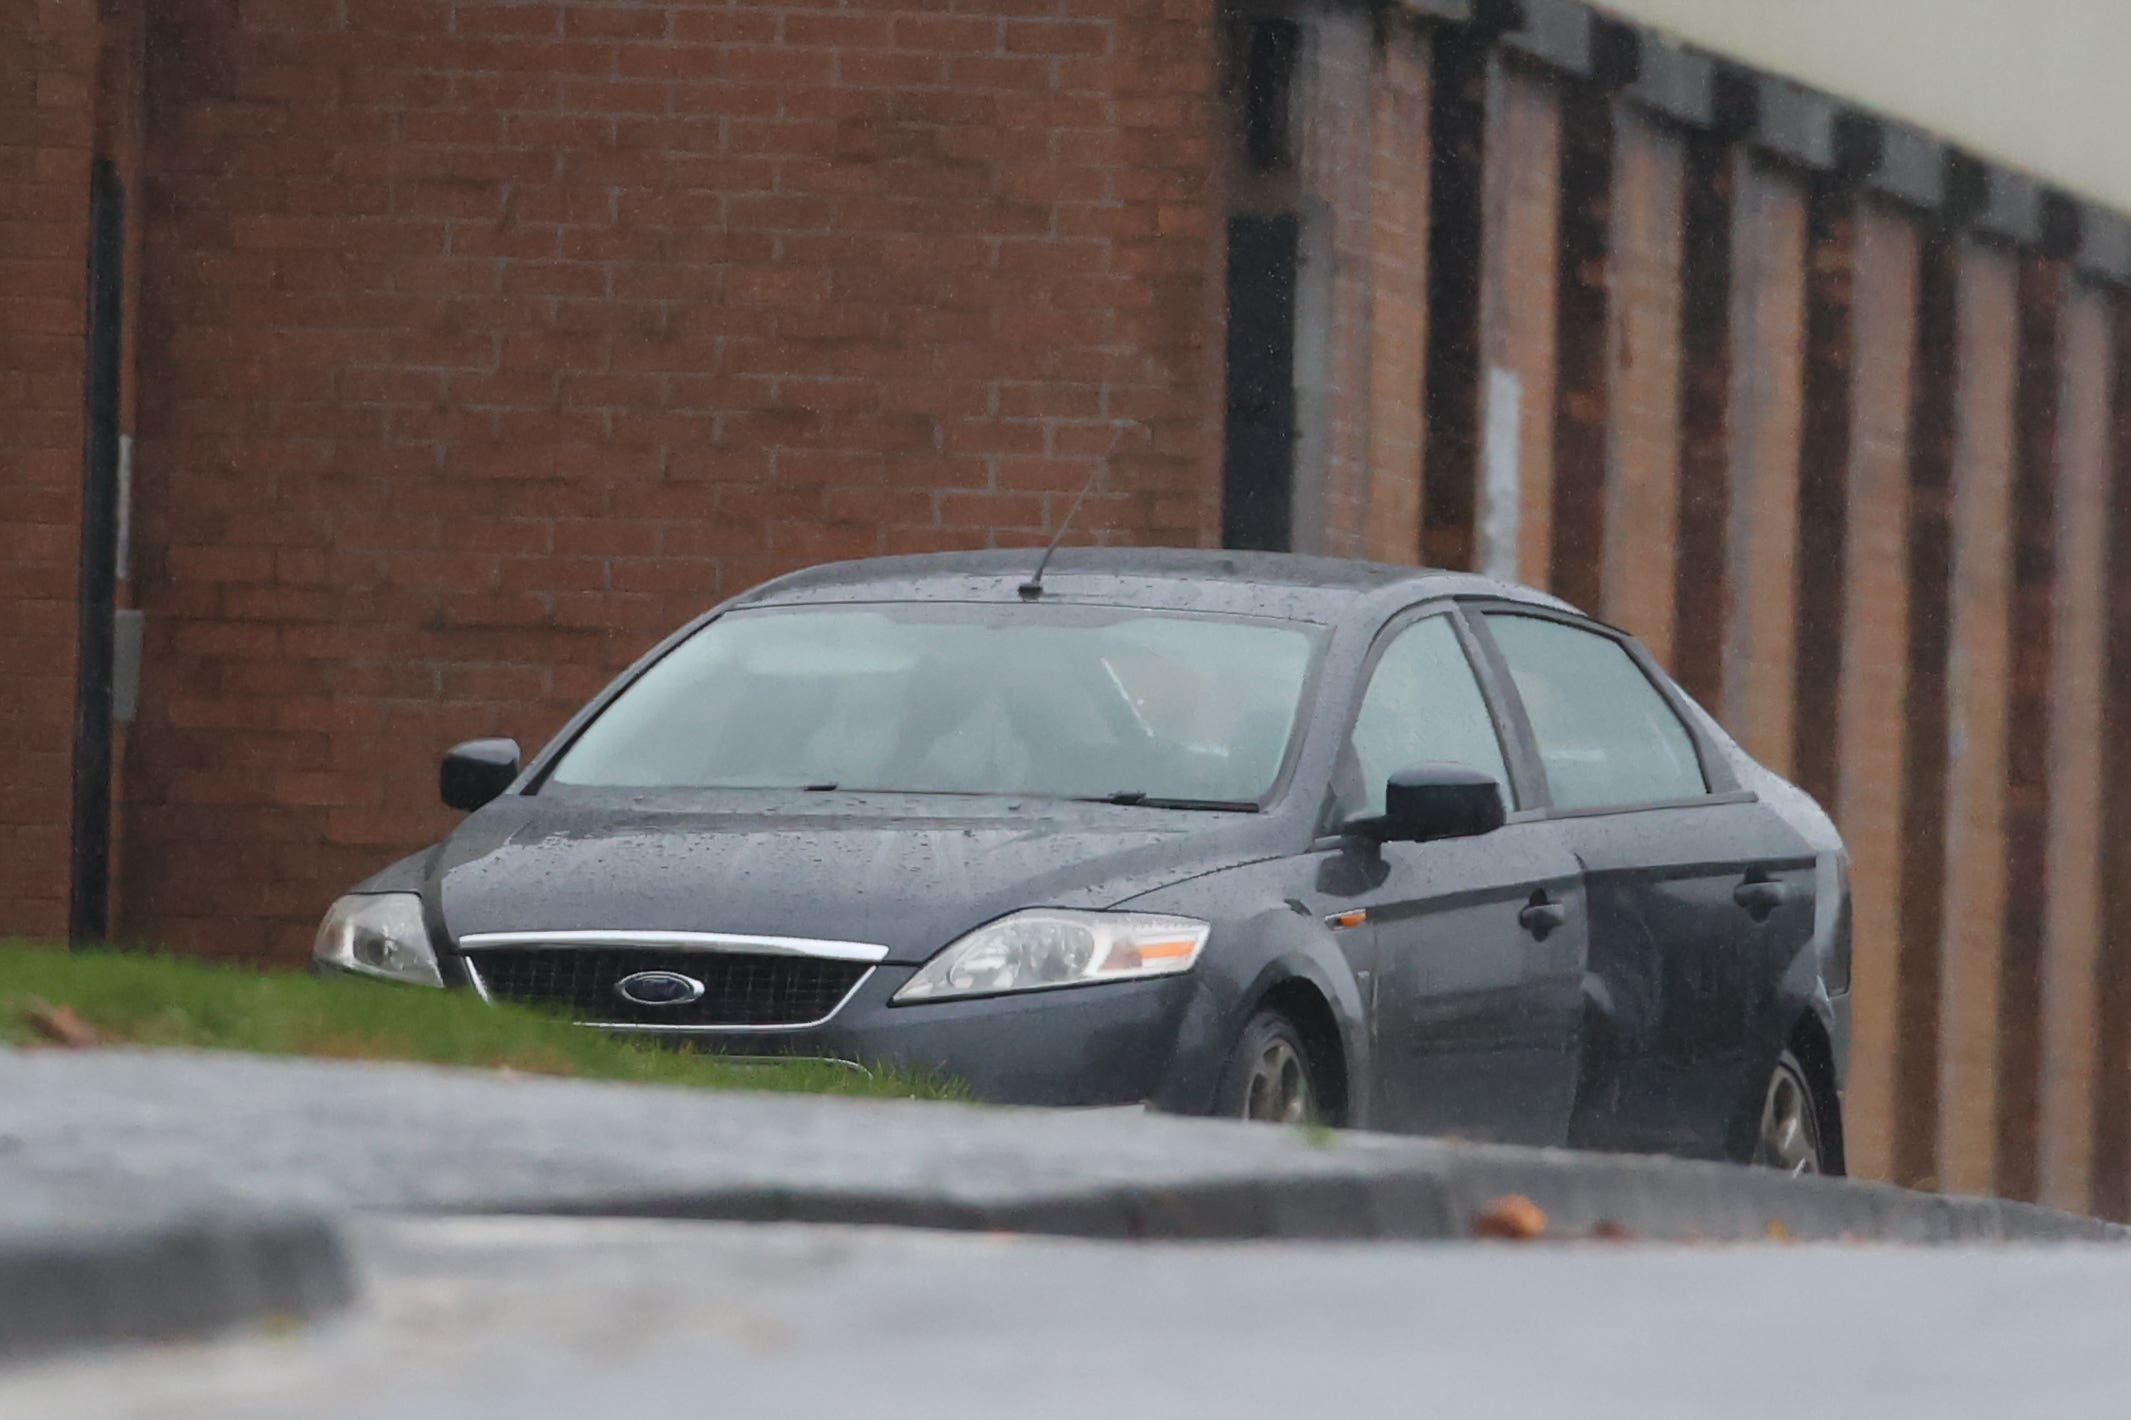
[[378, 934], [1044, 948]]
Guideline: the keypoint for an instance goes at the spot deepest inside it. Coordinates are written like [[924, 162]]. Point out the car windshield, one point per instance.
[[1043, 699]]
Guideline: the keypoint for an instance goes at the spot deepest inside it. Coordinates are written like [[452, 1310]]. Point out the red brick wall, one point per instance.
[[487, 341], [1520, 204], [1818, 586], [1363, 109], [2030, 733], [48, 52], [1975, 823], [1333, 442], [1701, 562], [1398, 283], [2110, 1130], [480, 342], [1765, 421], [1873, 686], [1643, 345], [1581, 417], [1920, 887], [2072, 924]]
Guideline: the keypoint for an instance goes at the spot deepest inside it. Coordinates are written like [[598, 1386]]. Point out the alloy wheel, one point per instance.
[[1790, 1125], [1279, 1088]]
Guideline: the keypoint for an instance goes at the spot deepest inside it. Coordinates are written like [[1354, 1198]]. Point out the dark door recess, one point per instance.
[[1258, 468], [88, 916]]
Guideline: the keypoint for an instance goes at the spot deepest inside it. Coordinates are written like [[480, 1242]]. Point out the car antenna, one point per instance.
[[1033, 587]]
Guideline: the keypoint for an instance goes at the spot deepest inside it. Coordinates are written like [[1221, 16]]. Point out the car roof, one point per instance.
[[1280, 584]]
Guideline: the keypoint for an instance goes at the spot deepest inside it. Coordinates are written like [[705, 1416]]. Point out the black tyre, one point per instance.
[[1790, 1134], [1270, 1076]]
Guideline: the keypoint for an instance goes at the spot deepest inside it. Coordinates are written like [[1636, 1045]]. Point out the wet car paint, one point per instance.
[[1641, 1022], [909, 872]]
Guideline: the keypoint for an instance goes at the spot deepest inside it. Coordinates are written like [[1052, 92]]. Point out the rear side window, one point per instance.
[[1604, 734]]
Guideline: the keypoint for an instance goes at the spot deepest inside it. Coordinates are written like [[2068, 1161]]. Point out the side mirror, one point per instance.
[[476, 772], [1431, 801]]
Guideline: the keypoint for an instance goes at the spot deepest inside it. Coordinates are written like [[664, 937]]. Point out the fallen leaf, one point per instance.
[[1610, 1231], [59, 1025], [1777, 1232], [281, 1326], [1512, 1217]]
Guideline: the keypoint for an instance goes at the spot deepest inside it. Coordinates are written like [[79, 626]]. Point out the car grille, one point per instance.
[[759, 989]]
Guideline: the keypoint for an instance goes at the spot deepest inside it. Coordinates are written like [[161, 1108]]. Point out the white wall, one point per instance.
[[2043, 86]]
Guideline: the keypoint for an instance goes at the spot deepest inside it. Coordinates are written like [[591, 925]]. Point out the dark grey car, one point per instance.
[[1244, 834]]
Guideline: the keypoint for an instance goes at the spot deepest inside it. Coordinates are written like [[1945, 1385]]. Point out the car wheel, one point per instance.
[[1790, 1134], [1269, 1078]]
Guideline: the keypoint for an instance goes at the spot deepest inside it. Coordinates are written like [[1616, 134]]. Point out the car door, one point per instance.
[[1477, 944], [1697, 892]]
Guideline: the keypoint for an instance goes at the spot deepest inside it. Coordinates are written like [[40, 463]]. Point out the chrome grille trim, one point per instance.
[[868, 953], [683, 942]]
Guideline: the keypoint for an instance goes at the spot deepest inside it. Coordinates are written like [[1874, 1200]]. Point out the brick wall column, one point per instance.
[[2033, 596], [1818, 582], [1873, 688], [2111, 1174], [1643, 347], [1497, 176], [1334, 312], [1583, 364], [1363, 97], [1521, 196], [1765, 427], [48, 61], [1987, 336], [1398, 170], [1921, 886], [2072, 925], [1701, 564]]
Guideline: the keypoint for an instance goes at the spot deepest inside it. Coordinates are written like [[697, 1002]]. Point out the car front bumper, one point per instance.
[[1113, 1043]]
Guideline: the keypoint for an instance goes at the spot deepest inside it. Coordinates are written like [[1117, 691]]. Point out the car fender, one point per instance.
[[409, 874], [1246, 960], [1820, 970], [1811, 975], [1799, 994]]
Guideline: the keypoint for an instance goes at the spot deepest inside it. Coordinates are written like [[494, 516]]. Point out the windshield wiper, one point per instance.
[[1137, 798], [1140, 798]]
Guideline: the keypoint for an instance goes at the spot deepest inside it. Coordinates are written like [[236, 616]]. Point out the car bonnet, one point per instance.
[[906, 872]]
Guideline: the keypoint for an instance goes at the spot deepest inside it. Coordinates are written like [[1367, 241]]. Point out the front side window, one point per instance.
[[1604, 734], [950, 698], [1422, 705]]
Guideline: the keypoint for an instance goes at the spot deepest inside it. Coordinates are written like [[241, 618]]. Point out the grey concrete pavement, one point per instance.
[[111, 1270], [536, 1318], [218, 1131]]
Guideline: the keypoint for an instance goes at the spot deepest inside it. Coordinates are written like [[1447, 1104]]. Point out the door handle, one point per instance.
[[1760, 896], [1542, 916]]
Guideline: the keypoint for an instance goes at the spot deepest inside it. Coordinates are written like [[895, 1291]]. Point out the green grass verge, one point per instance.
[[144, 1000]]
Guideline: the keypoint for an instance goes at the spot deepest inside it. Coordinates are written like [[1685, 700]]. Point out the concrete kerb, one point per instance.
[[167, 1195], [1583, 1197], [182, 1278], [71, 1285]]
